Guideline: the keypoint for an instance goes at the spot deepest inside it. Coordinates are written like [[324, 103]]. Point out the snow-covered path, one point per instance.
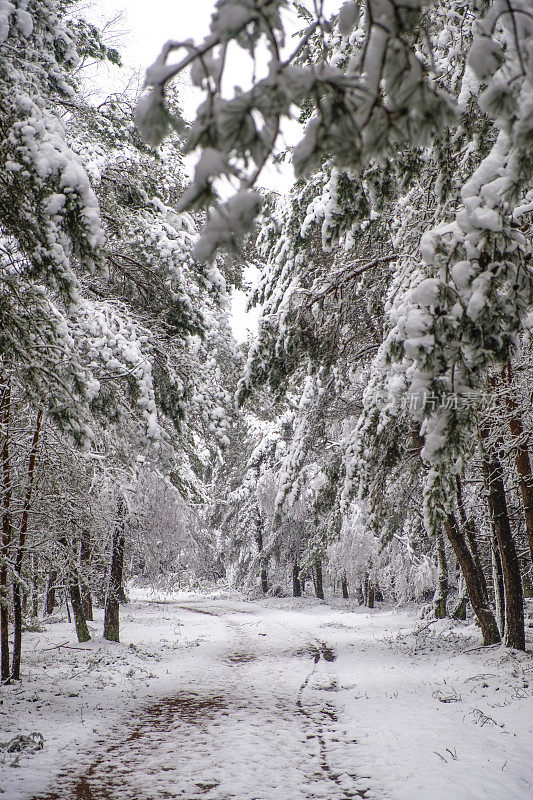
[[252, 717], [222, 698]]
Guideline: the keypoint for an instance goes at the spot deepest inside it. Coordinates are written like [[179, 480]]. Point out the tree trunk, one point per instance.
[[262, 563], [441, 593], [319, 584], [344, 584], [512, 581], [73, 582], [85, 556], [115, 589], [370, 595], [468, 526], [296, 586], [50, 602], [497, 582], [120, 553], [80, 622], [264, 578], [474, 584], [69, 618], [522, 460], [21, 550], [459, 612], [5, 414], [35, 585]]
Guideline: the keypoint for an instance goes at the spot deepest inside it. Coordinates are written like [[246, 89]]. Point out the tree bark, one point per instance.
[[370, 596], [114, 588], [73, 581], [35, 585], [472, 574], [50, 602], [5, 418], [69, 618], [497, 581], [441, 593], [262, 563], [368, 592], [21, 550], [344, 584], [474, 585], [296, 586], [459, 612], [85, 556], [522, 460], [82, 631], [514, 635], [468, 526], [319, 583]]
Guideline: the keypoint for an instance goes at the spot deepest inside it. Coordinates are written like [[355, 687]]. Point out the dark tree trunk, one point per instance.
[[296, 586], [344, 584], [69, 618], [474, 584], [82, 631], [262, 562], [21, 550], [468, 526], [120, 553], [115, 590], [5, 415], [35, 585], [50, 602], [319, 584], [85, 557], [73, 582], [459, 612], [497, 582], [440, 598], [370, 595], [17, 629], [522, 460], [514, 635], [264, 579]]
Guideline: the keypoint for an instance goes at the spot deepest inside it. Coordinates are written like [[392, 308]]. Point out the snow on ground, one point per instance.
[[219, 697]]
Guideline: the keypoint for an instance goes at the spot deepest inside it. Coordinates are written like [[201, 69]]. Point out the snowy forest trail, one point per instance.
[[252, 718], [222, 698]]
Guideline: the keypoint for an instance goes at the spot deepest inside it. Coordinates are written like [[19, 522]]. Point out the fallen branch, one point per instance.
[[482, 647], [415, 633]]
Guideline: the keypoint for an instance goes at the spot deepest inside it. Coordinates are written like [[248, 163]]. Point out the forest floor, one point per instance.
[[217, 697]]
